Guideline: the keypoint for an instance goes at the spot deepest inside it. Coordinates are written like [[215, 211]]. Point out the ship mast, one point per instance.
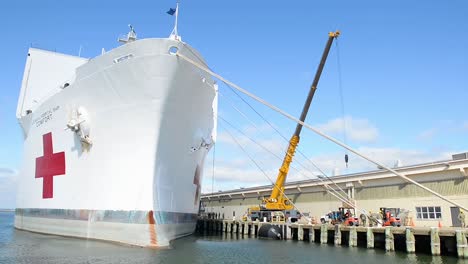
[[174, 34]]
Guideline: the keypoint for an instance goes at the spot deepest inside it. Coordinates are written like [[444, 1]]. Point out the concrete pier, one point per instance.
[[352, 236], [337, 235], [370, 237], [408, 237], [435, 241], [389, 239], [311, 234], [300, 233], [246, 228], [288, 233], [462, 247], [410, 240], [324, 234]]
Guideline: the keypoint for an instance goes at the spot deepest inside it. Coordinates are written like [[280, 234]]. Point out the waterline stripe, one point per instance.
[[115, 216]]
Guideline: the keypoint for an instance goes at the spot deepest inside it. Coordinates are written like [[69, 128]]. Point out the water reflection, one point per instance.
[[26, 247]]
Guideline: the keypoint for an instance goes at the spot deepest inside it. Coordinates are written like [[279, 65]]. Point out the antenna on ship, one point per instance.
[[174, 12]]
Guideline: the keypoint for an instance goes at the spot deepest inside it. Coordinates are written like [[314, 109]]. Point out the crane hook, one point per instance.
[[346, 159]]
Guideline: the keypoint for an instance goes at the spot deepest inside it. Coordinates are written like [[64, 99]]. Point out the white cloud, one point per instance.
[[443, 129], [259, 133], [233, 173], [236, 174], [357, 129], [230, 176], [234, 169], [427, 135], [387, 156], [240, 172], [264, 145], [7, 172], [258, 129], [7, 187]]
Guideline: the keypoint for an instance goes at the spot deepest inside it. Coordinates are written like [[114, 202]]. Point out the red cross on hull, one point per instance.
[[50, 165]]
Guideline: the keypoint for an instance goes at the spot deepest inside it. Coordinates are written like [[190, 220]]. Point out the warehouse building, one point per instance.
[[369, 190]]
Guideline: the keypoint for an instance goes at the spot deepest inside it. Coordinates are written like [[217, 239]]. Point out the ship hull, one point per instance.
[[150, 121], [127, 227]]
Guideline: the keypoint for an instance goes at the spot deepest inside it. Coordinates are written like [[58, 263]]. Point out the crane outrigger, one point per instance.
[[278, 202]]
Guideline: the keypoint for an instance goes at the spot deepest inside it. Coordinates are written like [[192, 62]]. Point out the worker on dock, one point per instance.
[[363, 218], [461, 218], [374, 219], [347, 214]]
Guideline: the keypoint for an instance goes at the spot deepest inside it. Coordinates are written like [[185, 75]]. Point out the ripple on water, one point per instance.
[[25, 247]]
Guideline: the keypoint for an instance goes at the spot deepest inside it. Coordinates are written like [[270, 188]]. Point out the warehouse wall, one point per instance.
[[370, 197]]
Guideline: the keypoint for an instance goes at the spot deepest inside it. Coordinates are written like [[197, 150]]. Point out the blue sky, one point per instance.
[[403, 68]]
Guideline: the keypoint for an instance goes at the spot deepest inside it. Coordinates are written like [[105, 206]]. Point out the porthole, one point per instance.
[[173, 50]]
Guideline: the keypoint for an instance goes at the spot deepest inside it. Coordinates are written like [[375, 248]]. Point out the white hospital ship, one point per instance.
[[114, 146]]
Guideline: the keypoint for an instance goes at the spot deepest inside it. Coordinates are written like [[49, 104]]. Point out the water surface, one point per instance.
[[25, 247]]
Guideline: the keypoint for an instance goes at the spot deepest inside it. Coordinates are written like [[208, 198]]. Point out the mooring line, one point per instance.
[[316, 131]]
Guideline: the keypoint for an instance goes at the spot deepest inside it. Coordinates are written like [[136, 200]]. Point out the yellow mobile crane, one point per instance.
[[278, 202]]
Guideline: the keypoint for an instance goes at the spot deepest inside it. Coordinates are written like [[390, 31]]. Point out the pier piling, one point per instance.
[[353, 236], [457, 237], [410, 240], [288, 234], [370, 237], [435, 241], [462, 247], [300, 233], [311, 234], [337, 235], [324, 234], [389, 239]]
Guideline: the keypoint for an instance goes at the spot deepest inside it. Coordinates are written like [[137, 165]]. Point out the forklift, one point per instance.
[[389, 216], [344, 215], [348, 217]]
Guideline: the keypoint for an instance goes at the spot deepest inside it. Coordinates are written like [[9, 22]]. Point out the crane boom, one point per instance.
[[277, 200]]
